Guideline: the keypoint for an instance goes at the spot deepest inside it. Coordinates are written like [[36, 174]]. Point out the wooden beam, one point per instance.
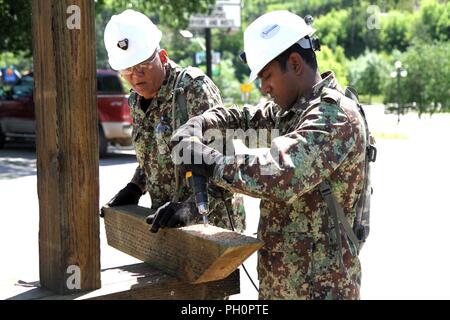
[[66, 144], [194, 253], [137, 282]]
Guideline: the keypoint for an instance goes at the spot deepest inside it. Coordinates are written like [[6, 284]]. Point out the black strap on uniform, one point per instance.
[[178, 99]]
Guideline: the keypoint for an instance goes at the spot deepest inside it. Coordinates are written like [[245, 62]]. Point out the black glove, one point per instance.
[[193, 155], [128, 195], [174, 214]]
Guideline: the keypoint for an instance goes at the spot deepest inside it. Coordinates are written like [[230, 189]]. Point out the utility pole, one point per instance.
[[208, 52], [66, 144]]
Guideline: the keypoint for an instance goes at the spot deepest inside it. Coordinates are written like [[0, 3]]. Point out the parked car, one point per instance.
[[17, 118]]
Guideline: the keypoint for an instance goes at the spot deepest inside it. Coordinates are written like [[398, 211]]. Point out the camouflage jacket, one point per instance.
[[156, 170], [320, 137]]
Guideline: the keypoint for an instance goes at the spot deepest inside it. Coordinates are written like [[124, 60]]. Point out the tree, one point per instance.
[[367, 74], [433, 21], [427, 84], [396, 31], [228, 84], [333, 60], [15, 17], [173, 13], [15, 26], [332, 28]]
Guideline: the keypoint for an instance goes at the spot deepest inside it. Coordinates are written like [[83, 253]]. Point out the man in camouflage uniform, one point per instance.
[[132, 41], [322, 138]]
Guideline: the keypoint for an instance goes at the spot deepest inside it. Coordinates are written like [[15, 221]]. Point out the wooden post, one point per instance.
[[66, 144]]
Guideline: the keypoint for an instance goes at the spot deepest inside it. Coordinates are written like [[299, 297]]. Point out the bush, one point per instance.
[[367, 74]]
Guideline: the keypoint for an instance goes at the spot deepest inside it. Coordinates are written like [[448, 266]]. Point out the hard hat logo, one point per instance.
[[270, 31], [123, 44]]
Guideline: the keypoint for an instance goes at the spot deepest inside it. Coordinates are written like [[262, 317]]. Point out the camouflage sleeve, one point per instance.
[[140, 178], [261, 116], [296, 162], [202, 95]]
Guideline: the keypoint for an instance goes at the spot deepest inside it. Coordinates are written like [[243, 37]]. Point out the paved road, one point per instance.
[[406, 256]]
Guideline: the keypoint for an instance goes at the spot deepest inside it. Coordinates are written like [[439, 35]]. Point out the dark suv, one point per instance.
[[17, 118]]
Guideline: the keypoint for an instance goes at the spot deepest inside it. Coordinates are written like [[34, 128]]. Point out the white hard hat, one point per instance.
[[130, 38], [270, 35]]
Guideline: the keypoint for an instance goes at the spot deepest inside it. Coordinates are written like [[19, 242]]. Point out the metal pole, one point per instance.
[[398, 95], [208, 52]]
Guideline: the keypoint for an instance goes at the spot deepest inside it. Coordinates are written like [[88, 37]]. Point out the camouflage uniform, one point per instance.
[[156, 170], [320, 138]]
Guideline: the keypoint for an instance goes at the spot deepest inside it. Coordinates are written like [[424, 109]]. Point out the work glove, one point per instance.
[[192, 155], [173, 215], [128, 195]]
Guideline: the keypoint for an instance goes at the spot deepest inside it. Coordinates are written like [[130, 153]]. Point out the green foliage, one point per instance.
[[368, 73], [15, 26], [228, 84], [395, 31], [433, 21], [428, 81], [329, 60], [173, 13], [22, 61], [333, 28], [413, 31]]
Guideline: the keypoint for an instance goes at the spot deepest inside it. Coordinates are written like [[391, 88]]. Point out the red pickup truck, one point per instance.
[[17, 119]]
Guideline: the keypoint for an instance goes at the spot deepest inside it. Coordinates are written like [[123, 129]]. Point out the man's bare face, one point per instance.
[[146, 78], [280, 85]]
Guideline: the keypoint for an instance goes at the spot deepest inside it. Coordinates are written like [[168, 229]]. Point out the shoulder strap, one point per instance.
[[338, 216], [178, 99], [180, 94], [334, 208]]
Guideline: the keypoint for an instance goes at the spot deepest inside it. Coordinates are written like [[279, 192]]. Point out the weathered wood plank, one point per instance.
[[66, 143], [195, 254], [140, 282]]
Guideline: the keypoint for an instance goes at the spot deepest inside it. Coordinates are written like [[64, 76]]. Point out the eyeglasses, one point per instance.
[[147, 64]]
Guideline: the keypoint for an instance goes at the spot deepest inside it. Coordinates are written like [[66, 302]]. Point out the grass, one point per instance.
[[364, 99], [389, 136]]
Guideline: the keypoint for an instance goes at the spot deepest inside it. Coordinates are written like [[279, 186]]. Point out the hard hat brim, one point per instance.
[[254, 73], [253, 76]]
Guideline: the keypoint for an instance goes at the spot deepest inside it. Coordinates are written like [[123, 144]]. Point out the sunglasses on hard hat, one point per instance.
[[141, 66]]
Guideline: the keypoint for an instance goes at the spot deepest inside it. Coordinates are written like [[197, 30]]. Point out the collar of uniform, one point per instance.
[[328, 81]]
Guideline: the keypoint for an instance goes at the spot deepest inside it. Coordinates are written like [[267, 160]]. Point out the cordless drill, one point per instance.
[[198, 185]]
